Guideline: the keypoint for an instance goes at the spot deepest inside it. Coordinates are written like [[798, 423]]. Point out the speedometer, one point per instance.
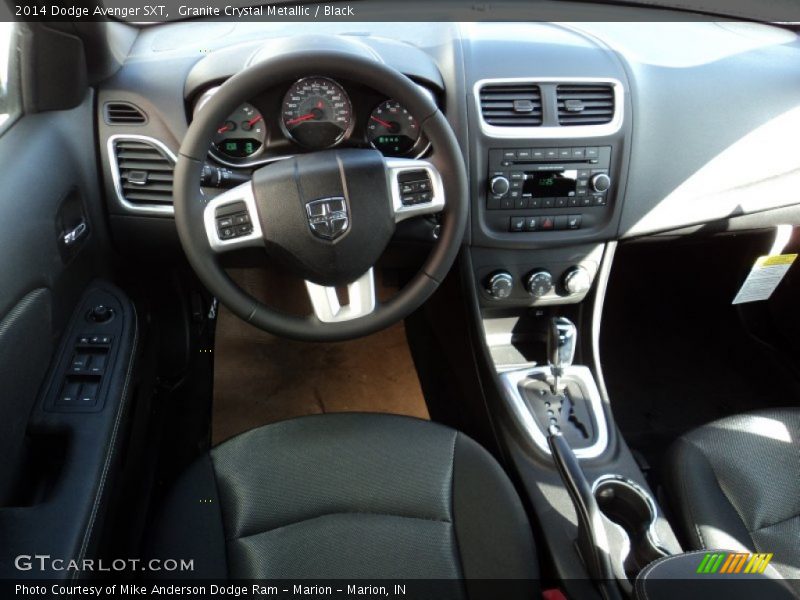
[[317, 113]]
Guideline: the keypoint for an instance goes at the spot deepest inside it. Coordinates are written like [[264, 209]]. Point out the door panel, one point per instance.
[[49, 186]]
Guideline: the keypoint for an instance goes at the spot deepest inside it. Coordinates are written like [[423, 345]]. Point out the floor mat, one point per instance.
[[261, 379]]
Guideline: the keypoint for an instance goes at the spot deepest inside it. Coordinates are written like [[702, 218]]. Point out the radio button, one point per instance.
[[506, 203], [509, 154], [520, 203], [600, 182], [586, 201], [550, 153], [534, 203], [565, 152], [583, 174], [592, 152], [524, 154], [499, 185], [573, 201], [548, 202], [537, 153], [516, 176], [561, 202], [600, 200], [579, 153]]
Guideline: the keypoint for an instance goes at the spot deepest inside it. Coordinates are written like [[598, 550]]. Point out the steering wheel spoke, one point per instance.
[[328, 309], [231, 220], [416, 187]]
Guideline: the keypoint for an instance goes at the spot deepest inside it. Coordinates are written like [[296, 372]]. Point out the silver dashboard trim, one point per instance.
[[151, 209], [550, 131], [511, 380]]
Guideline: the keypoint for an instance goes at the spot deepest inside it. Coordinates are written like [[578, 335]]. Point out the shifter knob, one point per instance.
[[561, 338]]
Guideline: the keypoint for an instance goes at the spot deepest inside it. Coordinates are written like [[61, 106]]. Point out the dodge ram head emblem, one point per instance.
[[328, 217]]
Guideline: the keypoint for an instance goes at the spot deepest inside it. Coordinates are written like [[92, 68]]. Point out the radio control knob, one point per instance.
[[499, 285], [499, 185], [577, 280], [539, 283], [600, 182]]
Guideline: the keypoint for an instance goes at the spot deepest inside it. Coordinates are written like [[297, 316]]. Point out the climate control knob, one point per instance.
[[499, 285], [577, 280], [499, 185], [600, 182], [539, 283]]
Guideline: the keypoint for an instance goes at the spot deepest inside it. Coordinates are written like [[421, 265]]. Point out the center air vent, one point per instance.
[[145, 171], [511, 104], [585, 104], [123, 113]]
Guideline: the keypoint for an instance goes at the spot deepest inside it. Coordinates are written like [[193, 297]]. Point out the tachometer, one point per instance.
[[392, 129], [317, 113], [243, 133]]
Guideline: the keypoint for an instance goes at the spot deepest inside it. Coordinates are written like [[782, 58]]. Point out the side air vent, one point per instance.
[[123, 113], [511, 104], [585, 104], [145, 171]]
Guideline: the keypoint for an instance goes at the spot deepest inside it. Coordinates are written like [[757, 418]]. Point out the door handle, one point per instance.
[[72, 236]]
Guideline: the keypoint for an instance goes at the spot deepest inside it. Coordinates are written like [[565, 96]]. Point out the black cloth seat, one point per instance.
[[348, 496], [735, 484]]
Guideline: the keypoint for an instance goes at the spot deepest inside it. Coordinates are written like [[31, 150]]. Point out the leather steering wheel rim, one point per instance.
[[189, 203]]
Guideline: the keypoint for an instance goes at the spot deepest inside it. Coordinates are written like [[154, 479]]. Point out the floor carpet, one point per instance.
[[261, 379]]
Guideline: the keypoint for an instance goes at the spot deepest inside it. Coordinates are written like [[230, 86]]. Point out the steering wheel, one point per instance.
[[325, 216]]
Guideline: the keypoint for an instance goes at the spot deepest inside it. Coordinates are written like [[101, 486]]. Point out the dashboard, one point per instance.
[[313, 113], [575, 134]]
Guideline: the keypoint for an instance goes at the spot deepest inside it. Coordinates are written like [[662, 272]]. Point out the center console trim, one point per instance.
[[510, 381], [549, 131]]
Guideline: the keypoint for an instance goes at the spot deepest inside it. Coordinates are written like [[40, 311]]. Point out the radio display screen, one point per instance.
[[556, 184]]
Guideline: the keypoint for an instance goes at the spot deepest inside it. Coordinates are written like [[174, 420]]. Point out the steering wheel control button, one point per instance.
[[499, 285], [415, 187], [233, 221]]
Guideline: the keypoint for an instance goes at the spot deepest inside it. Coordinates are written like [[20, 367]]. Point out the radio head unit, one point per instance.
[[547, 189]]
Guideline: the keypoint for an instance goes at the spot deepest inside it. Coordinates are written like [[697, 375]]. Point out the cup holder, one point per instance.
[[628, 505]]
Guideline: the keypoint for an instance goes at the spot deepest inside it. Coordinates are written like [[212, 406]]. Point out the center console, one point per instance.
[[550, 131]]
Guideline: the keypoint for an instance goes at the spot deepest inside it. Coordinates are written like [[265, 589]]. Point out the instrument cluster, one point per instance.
[[310, 114]]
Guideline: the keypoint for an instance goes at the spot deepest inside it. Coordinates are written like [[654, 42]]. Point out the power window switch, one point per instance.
[[69, 394], [88, 395], [97, 364], [79, 364]]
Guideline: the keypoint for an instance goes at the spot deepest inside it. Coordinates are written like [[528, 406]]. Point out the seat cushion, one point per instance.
[[735, 483], [348, 496]]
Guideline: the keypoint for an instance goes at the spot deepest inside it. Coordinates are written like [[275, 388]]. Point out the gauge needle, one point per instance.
[[224, 128], [384, 123], [305, 117], [254, 120]]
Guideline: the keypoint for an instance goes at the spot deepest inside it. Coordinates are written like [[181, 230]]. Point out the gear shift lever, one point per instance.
[[561, 338]]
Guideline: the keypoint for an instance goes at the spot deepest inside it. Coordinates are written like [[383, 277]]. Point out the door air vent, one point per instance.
[[144, 171], [511, 104], [585, 104], [123, 113]]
